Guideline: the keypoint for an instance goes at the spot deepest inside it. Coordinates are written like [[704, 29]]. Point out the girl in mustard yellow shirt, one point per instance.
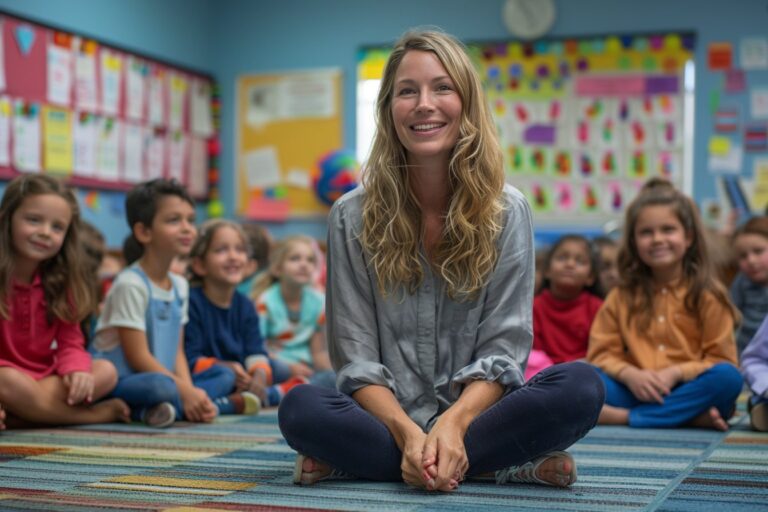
[[663, 340]]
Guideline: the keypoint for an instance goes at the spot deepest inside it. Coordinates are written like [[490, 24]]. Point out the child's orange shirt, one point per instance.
[[694, 342]]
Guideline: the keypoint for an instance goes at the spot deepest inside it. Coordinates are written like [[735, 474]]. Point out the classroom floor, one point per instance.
[[242, 463]]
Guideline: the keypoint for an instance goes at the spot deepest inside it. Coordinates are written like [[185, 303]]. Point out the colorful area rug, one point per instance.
[[242, 463]]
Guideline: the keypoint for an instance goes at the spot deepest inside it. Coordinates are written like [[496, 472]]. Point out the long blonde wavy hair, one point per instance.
[[392, 224]]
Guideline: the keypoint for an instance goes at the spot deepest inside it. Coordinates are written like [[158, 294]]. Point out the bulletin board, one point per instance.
[[286, 123], [584, 122], [98, 115]]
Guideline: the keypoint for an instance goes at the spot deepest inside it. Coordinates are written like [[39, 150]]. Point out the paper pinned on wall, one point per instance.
[[735, 81], [177, 88], [156, 99], [136, 86], [200, 99], [85, 78], [58, 141], [26, 137], [177, 152], [754, 53], [2, 57], [262, 168], [308, 95], [198, 167], [759, 103], [728, 162], [5, 131], [760, 183], [155, 154], [262, 105], [108, 149], [264, 208], [720, 56], [59, 77], [133, 152], [85, 133], [111, 71], [719, 146], [298, 178]]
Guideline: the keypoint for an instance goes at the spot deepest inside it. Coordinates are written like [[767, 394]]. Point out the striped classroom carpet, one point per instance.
[[242, 463]]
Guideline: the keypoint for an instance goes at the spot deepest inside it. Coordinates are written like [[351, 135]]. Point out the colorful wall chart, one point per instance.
[[583, 122], [100, 116]]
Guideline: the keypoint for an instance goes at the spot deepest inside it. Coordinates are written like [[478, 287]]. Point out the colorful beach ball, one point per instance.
[[337, 175]]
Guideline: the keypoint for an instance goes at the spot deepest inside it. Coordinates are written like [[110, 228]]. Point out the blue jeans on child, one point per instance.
[[717, 387], [144, 390], [281, 372], [550, 412]]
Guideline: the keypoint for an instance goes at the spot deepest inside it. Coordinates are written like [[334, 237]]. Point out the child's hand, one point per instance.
[[671, 376], [646, 385], [242, 378], [80, 386], [197, 406], [301, 370], [258, 385]]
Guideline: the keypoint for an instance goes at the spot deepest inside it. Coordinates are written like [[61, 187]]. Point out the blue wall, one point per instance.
[[232, 37]]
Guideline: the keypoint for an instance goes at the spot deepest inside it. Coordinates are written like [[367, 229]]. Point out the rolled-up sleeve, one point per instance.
[[505, 331], [350, 309]]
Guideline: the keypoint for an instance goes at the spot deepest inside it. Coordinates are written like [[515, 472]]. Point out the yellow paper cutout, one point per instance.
[[57, 140], [719, 146]]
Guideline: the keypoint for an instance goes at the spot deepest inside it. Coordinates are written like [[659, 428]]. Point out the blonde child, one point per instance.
[[46, 375], [564, 310], [223, 328], [141, 327], [663, 340], [749, 290], [292, 313]]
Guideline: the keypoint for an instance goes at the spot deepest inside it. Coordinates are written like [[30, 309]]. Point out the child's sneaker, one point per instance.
[[161, 415], [251, 403], [244, 402], [758, 416]]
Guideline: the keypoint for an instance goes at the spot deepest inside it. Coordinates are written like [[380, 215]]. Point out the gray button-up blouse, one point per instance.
[[425, 346]]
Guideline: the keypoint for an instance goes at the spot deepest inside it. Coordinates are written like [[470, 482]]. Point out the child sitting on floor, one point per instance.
[[564, 310], [141, 327], [46, 375], [749, 290], [663, 340], [292, 313], [223, 327]]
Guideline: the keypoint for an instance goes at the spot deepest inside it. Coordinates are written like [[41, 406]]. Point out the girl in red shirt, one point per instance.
[[564, 310], [46, 375]]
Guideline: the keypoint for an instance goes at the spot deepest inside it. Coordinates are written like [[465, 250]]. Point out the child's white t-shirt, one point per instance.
[[126, 306]]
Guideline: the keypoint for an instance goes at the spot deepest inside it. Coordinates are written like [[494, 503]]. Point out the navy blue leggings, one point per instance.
[[550, 412], [717, 387]]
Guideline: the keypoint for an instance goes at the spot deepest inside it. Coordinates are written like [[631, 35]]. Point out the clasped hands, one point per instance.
[[436, 461], [651, 385]]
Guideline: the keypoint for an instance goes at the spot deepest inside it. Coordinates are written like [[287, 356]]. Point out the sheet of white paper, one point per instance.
[[26, 141], [177, 93], [310, 95], [759, 103], [135, 88], [2, 57], [729, 163], [133, 153], [262, 167], [85, 136], [155, 155], [156, 100], [298, 178], [177, 152], [59, 75], [5, 130], [108, 152], [754, 53], [85, 82], [200, 99], [198, 167], [111, 69]]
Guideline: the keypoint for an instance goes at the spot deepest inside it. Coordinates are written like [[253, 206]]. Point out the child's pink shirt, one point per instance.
[[26, 336]]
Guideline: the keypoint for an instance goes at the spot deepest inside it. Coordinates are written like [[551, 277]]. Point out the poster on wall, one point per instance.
[[583, 122]]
